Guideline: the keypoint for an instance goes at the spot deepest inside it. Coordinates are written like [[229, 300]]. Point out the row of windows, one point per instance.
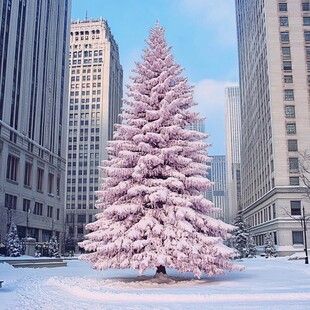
[[83, 147], [86, 93], [85, 115], [283, 20], [87, 53], [86, 32], [85, 78], [81, 163], [83, 131], [283, 7], [87, 85], [285, 36], [88, 70], [12, 174], [83, 172], [85, 61], [82, 180], [85, 123], [84, 106], [260, 239], [11, 202], [81, 189], [85, 139], [81, 197], [79, 206], [262, 216]]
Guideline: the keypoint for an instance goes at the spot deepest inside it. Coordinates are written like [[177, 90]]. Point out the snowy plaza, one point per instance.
[[274, 283]]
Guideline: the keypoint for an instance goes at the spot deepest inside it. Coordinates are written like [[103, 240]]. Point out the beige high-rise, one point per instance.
[[96, 78], [274, 60]]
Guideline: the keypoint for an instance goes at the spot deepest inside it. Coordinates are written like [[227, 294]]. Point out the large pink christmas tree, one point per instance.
[[153, 212]]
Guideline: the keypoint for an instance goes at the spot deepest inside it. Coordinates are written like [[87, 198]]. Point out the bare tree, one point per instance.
[[304, 170]]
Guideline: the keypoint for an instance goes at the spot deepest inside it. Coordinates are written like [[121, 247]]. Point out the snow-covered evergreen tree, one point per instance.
[[250, 247], [53, 247], [153, 213], [13, 244], [240, 235], [269, 246]]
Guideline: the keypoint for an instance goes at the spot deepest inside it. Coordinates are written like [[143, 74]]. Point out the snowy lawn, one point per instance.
[[274, 283]]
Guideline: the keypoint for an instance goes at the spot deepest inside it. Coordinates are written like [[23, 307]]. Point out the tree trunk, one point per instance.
[[161, 269]]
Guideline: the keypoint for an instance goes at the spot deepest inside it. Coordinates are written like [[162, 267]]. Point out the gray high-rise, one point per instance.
[[274, 62], [34, 49]]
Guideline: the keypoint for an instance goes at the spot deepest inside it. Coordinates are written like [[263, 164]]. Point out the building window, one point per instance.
[[306, 20], [38, 208], [81, 218], [80, 230], [294, 181], [286, 51], [50, 184], [49, 211], [12, 168], [26, 205], [305, 6], [28, 171], [285, 36], [297, 237], [10, 202], [57, 214], [289, 111], [287, 66], [288, 94], [307, 36], [40, 174], [308, 51], [283, 7], [58, 186], [293, 164], [288, 79], [295, 208], [283, 21], [308, 66], [291, 128], [292, 145]]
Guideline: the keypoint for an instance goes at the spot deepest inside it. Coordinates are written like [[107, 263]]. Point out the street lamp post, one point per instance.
[[303, 220]]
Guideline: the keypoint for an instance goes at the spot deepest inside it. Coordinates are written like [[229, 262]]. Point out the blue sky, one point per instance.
[[202, 34]]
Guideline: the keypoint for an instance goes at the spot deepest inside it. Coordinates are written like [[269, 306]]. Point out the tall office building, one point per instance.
[[217, 194], [96, 79], [34, 48], [233, 123], [274, 51]]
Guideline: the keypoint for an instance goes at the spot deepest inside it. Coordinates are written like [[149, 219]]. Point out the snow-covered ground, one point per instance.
[[274, 283]]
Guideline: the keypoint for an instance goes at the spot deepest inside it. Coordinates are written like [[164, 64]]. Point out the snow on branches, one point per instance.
[[152, 210]]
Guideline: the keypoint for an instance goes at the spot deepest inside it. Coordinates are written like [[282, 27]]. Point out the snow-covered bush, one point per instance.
[[269, 246], [53, 247], [13, 244]]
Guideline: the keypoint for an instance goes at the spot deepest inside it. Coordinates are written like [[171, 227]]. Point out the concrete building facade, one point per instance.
[[217, 194], [274, 63], [34, 49], [233, 123], [95, 93]]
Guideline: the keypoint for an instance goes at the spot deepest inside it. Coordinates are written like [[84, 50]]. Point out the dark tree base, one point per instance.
[[161, 269]]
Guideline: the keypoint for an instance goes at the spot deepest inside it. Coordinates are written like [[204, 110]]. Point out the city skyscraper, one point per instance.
[[274, 63], [233, 123], [217, 194], [96, 78], [34, 49]]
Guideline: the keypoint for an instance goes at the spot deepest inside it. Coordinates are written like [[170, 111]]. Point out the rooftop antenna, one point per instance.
[[86, 16]]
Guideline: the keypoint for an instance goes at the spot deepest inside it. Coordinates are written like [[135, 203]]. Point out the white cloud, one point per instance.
[[210, 96]]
